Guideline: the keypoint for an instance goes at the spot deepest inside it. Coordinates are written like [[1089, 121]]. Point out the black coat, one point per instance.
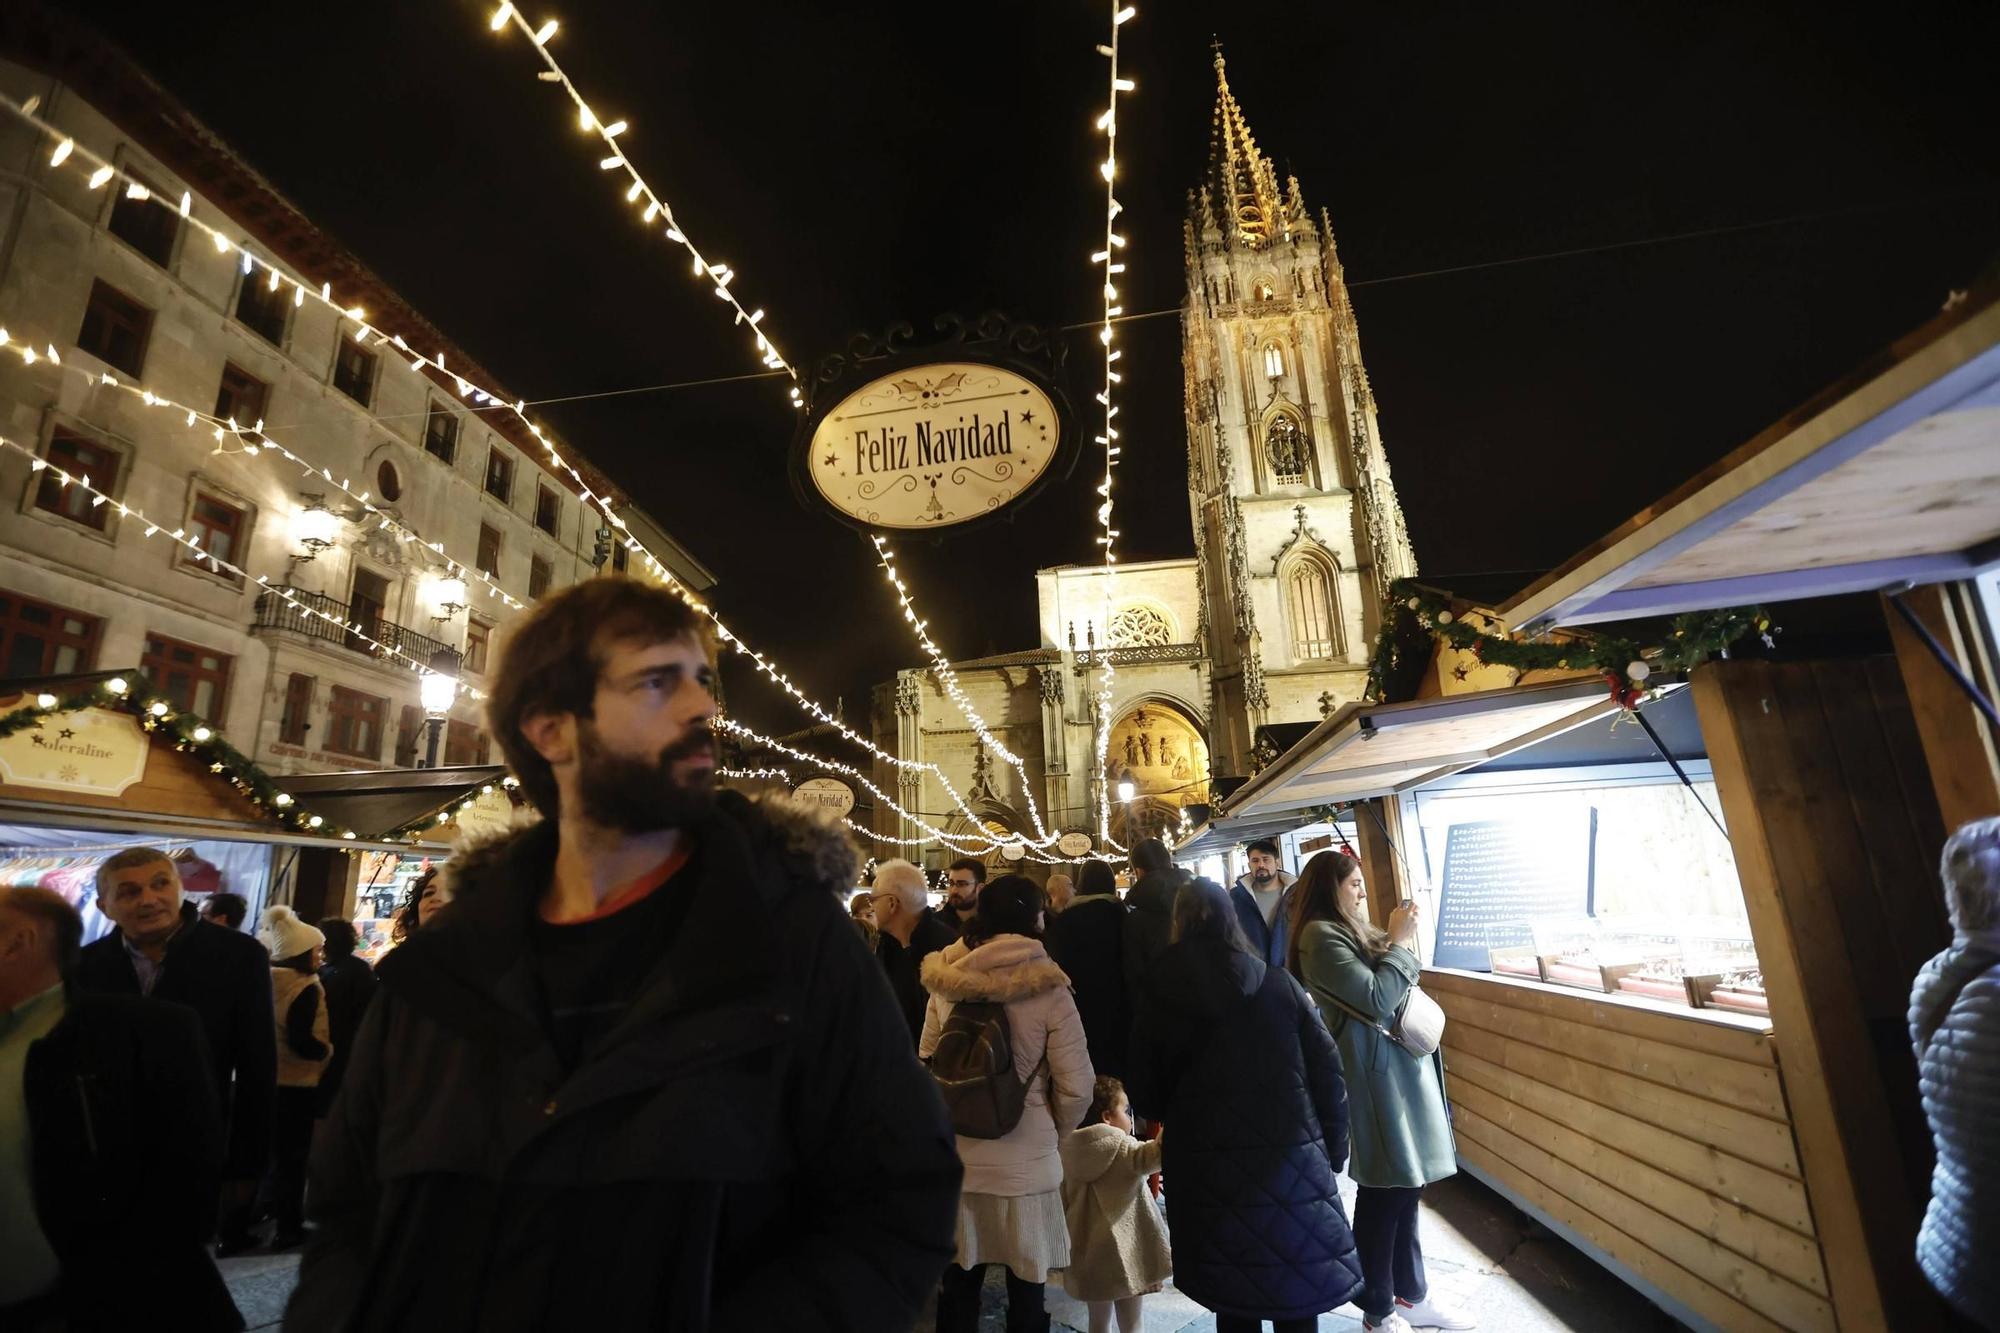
[[1232, 1055], [225, 977], [776, 1155], [1087, 940], [349, 984], [127, 1150], [903, 964], [1149, 927]]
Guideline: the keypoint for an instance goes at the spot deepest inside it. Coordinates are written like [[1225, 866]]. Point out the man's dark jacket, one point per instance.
[[782, 1159], [225, 977], [903, 963], [1087, 940], [1270, 941], [1232, 1055], [127, 1146], [1149, 927], [349, 984]]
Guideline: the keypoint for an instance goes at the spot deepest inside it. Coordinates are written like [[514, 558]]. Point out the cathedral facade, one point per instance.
[[1297, 535]]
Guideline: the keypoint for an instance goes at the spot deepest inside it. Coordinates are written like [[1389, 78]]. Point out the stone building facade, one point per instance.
[[1297, 534], [123, 287]]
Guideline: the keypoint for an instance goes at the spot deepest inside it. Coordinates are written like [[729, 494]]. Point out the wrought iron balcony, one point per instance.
[[347, 627], [1145, 653]]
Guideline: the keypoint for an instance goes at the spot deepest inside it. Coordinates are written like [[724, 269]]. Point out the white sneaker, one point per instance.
[[1432, 1313], [1395, 1323]]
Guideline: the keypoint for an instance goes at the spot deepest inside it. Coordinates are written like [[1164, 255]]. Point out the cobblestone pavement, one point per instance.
[[1516, 1276]]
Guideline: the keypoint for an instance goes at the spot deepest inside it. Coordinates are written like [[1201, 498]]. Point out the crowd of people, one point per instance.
[[635, 1066]]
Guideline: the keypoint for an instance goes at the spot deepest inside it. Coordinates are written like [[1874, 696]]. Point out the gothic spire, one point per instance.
[[1242, 181]]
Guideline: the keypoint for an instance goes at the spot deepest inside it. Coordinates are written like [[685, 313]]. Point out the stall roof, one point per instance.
[[1891, 476], [380, 800], [1367, 750]]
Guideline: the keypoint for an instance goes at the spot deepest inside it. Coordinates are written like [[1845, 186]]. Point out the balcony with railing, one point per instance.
[[347, 627]]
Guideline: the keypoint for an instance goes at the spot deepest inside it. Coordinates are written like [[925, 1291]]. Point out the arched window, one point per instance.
[[1139, 626], [1309, 599], [1274, 360], [1285, 446]]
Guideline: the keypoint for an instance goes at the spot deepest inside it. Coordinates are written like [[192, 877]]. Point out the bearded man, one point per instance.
[[1259, 897], [644, 1073]]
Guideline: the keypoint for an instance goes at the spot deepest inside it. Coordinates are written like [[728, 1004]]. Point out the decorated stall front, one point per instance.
[[1675, 938]]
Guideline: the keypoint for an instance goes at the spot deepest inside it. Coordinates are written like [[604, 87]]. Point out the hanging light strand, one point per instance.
[[180, 536], [68, 150], [255, 443], [655, 210], [1114, 243], [948, 678]]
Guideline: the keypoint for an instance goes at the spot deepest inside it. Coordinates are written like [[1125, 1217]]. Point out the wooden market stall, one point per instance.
[[1747, 1170]]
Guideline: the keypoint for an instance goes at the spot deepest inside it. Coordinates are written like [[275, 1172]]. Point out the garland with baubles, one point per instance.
[[1418, 618], [160, 715]]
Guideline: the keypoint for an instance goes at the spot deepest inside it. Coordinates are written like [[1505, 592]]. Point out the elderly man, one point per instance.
[[1060, 888], [109, 1144], [910, 931], [1955, 1024], [162, 950]]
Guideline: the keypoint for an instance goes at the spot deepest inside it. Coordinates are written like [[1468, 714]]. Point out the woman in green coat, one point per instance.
[[1399, 1130]]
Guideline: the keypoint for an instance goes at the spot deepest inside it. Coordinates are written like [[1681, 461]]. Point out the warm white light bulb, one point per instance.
[[45, 701], [201, 734], [99, 176], [543, 33], [62, 152], [500, 17]]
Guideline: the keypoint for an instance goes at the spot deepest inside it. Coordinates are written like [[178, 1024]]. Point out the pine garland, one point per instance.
[[160, 715], [1417, 619]]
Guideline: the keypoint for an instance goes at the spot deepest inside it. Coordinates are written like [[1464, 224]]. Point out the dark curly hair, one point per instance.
[[1009, 905]]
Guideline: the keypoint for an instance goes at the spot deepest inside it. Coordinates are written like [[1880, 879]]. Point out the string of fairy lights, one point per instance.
[[948, 679], [254, 442], [1114, 243], [654, 208], [102, 172]]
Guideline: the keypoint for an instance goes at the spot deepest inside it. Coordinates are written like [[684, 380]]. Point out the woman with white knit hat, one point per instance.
[[299, 1010]]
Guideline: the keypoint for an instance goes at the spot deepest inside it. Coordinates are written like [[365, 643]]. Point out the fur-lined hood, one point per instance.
[[808, 844], [1004, 969]]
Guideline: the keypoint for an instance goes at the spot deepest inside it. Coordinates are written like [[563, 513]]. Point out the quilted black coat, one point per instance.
[[1233, 1057]]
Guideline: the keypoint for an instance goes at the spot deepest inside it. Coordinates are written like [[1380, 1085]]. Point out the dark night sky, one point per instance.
[[860, 164]]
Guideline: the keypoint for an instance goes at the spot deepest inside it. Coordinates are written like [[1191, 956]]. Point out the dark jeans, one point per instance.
[[291, 1143], [1236, 1323], [1392, 1263], [958, 1302]]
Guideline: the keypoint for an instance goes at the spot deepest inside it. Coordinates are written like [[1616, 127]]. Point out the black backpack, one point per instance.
[[974, 1068]]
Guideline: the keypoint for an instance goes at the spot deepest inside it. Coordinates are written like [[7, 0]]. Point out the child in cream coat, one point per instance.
[[1117, 1238]]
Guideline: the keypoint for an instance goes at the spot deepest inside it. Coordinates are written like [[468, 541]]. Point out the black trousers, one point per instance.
[[291, 1143], [958, 1302], [1392, 1263], [1236, 1323]]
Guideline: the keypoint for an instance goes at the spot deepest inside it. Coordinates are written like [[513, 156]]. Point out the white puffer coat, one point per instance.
[[1041, 1018], [1955, 1024]]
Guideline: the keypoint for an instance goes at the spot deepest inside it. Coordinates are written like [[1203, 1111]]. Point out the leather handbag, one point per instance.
[[1418, 1026]]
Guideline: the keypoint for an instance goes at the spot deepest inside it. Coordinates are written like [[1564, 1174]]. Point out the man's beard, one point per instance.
[[635, 796], [1263, 876]]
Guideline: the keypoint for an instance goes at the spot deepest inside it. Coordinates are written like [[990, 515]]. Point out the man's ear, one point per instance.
[[551, 735]]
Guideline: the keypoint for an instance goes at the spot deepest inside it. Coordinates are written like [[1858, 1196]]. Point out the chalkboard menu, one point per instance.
[[1502, 875]]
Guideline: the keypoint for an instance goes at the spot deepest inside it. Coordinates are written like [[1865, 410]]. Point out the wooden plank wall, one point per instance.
[[1836, 832], [1664, 1140]]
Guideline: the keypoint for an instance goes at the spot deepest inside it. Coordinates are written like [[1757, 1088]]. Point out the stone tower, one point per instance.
[[1298, 532]]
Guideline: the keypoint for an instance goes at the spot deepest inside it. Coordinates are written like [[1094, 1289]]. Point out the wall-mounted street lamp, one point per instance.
[[315, 528], [1127, 789], [448, 596]]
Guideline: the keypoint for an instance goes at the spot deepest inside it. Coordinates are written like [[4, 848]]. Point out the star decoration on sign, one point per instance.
[[831, 459], [65, 734], [1028, 417]]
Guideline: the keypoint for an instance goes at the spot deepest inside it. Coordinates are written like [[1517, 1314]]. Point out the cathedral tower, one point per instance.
[[1297, 530]]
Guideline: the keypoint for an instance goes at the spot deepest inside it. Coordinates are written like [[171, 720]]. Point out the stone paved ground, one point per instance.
[[1515, 1275]]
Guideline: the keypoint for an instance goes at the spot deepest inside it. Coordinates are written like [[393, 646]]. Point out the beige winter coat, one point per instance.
[[1117, 1239], [1041, 1015]]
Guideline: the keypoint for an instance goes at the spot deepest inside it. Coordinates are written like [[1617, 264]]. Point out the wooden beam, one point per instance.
[[1379, 863], [1959, 744], [1796, 837]]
